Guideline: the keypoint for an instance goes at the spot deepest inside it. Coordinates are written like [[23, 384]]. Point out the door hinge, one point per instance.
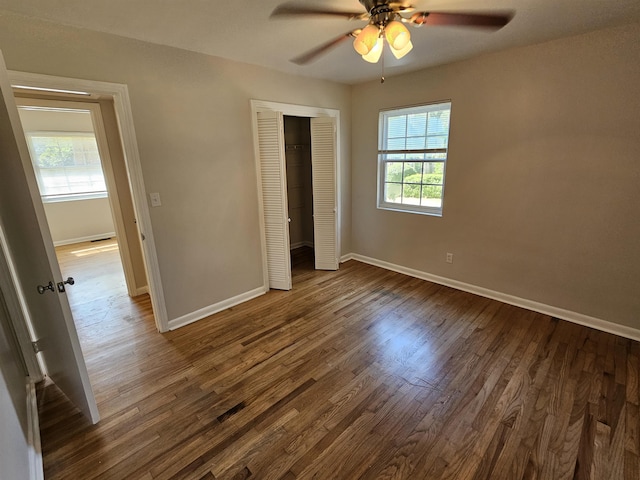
[[37, 346]]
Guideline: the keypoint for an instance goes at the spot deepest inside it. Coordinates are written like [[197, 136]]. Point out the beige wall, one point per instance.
[[193, 124], [79, 221], [542, 196]]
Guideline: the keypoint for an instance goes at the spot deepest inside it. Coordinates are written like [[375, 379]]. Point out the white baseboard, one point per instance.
[[346, 258], [304, 243], [36, 468], [215, 308], [89, 238], [142, 290], [579, 318]]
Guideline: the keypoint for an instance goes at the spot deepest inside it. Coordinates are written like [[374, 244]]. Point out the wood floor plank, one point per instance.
[[359, 373]]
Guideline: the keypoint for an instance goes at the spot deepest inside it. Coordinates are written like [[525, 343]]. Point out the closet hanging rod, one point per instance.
[[296, 146]]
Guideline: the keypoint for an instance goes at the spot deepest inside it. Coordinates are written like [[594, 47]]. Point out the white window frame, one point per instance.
[[383, 151], [64, 197]]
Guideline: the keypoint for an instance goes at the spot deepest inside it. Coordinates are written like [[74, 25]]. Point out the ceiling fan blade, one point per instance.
[[401, 6], [290, 10], [494, 21], [312, 55]]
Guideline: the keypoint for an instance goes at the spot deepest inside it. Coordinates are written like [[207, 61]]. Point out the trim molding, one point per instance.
[[304, 243], [142, 290], [346, 258], [574, 317], [216, 307], [36, 468], [99, 236]]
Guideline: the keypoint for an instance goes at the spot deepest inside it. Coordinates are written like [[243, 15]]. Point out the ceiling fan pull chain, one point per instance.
[[382, 77]]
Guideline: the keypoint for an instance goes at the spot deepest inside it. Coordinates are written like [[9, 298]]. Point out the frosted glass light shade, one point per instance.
[[374, 55], [397, 35], [403, 51], [366, 39]]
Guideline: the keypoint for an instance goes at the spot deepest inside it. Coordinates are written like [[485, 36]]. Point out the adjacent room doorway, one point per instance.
[[78, 179], [113, 102]]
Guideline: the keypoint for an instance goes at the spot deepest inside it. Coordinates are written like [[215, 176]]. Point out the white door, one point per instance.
[[33, 256], [323, 165], [274, 198]]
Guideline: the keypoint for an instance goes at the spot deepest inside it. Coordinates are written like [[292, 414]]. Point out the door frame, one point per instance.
[[294, 111], [122, 104], [16, 308]]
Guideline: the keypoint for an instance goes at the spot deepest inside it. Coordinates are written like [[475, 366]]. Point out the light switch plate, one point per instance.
[[155, 199]]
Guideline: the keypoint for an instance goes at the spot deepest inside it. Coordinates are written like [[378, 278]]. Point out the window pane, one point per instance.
[[433, 167], [67, 164], [393, 172], [433, 178], [397, 126], [396, 144], [411, 194], [416, 125], [54, 180], [412, 172], [439, 122], [53, 152], [437, 141], [431, 196], [415, 143], [392, 192]]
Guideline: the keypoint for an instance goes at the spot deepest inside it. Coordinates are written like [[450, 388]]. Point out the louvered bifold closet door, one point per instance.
[[323, 164], [274, 198]]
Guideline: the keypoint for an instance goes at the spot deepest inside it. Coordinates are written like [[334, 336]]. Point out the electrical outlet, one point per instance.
[[449, 257]]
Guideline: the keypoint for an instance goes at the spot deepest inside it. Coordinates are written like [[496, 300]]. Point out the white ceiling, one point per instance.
[[242, 30]]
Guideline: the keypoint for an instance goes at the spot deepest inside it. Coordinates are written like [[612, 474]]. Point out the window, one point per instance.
[[412, 156], [67, 165]]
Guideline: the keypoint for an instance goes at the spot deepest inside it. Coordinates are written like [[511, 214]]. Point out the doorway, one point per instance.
[[114, 102], [77, 167], [297, 139], [78, 170], [271, 169]]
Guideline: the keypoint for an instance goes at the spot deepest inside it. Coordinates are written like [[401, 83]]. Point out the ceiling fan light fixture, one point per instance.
[[397, 35], [366, 40], [376, 52], [399, 53]]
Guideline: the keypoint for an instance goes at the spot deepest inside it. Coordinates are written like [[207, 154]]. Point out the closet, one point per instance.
[[297, 139], [297, 186]]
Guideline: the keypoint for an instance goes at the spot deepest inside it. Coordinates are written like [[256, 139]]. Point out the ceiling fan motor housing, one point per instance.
[[380, 11]]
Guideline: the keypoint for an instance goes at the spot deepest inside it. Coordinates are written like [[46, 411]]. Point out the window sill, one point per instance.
[[408, 209], [74, 198]]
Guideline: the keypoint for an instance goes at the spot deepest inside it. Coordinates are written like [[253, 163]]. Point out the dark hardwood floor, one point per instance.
[[359, 373]]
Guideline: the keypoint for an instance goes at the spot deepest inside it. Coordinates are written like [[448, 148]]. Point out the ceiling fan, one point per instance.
[[386, 23]]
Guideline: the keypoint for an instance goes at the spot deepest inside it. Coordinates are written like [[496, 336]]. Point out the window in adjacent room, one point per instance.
[[412, 157], [67, 165]]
